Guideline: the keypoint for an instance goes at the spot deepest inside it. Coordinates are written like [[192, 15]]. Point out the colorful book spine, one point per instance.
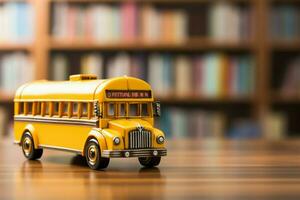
[[126, 22], [15, 70], [16, 22]]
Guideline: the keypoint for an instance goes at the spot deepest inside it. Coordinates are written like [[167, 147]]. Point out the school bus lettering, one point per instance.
[[99, 119], [128, 94]]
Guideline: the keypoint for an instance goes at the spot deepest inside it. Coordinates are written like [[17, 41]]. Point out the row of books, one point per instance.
[[186, 123], [182, 123], [127, 22], [16, 22], [229, 22], [291, 81], [15, 69], [284, 22], [208, 75]]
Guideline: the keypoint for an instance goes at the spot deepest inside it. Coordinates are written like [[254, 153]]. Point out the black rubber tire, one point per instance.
[[33, 154], [100, 162], [149, 161]]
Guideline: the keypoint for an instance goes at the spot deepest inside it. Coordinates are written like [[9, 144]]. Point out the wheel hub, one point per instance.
[[27, 146], [92, 154]]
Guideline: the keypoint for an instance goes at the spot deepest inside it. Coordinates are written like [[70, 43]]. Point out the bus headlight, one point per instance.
[[160, 139], [117, 140]]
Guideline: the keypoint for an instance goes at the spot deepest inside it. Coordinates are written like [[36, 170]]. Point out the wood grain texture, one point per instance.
[[192, 170]]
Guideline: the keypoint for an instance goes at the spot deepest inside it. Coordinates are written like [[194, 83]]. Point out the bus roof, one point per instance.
[[80, 88]]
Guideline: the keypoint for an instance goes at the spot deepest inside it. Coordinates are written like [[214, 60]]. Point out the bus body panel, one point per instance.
[[66, 136]]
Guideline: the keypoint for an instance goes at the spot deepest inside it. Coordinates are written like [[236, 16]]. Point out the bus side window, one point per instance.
[[37, 108], [84, 108], [45, 108], [75, 109], [55, 108], [145, 108], [21, 108], [28, 108], [111, 110], [65, 109]]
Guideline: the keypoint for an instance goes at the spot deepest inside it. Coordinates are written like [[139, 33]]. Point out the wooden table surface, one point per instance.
[[192, 170]]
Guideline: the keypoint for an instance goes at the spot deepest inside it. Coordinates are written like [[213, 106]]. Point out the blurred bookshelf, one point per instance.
[[220, 65]]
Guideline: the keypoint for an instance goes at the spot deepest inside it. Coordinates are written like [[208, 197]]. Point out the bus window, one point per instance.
[[65, 107], [37, 108], [75, 109], [55, 108], [47, 108], [145, 110], [28, 108], [84, 109], [122, 109], [21, 108], [133, 109], [111, 109]]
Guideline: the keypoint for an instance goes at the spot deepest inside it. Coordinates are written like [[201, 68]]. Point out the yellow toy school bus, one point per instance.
[[99, 119]]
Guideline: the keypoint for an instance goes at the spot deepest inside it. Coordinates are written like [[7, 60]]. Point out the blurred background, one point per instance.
[[221, 69]]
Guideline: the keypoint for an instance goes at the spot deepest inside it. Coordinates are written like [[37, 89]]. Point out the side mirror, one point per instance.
[[156, 109], [97, 110]]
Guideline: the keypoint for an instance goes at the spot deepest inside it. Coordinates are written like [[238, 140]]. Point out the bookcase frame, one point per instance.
[[261, 48]]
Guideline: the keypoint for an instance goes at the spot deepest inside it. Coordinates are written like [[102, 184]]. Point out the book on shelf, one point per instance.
[[59, 68], [15, 70], [92, 64], [275, 126], [210, 75], [228, 22], [126, 22], [244, 128], [182, 123], [16, 22], [284, 22], [290, 85]]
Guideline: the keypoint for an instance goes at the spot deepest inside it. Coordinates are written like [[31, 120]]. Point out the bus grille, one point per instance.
[[139, 139]]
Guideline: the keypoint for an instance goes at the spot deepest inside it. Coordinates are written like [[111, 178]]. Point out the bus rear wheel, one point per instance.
[[149, 161], [93, 156], [28, 147]]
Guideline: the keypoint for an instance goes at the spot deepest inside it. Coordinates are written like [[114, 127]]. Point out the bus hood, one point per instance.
[[129, 124]]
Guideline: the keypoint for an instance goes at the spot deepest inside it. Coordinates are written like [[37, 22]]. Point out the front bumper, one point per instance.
[[133, 153]]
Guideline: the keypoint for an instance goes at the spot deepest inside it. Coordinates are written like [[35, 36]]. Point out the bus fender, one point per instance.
[[95, 133], [30, 128]]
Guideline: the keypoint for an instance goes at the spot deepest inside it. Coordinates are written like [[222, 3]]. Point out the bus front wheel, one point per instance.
[[93, 155], [149, 161], [28, 147]]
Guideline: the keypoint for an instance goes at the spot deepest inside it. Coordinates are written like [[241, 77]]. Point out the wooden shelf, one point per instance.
[[284, 99], [205, 100], [148, 1], [285, 45], [15, 47], [191, 45]]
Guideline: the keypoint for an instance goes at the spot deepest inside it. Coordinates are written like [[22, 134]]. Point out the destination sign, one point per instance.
[[128, 94]]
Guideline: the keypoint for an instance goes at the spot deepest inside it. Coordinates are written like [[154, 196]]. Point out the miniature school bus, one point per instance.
[[99, 119]]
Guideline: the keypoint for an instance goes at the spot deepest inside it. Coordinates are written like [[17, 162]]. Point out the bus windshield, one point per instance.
[[122, 109]]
